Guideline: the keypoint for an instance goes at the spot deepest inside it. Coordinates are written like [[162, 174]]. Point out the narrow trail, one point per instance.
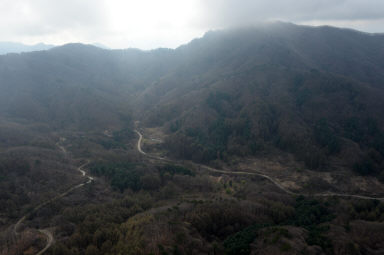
[[60, 146], [106, 132], [276, 183], [46, 232], [50, 240], [139, 143]]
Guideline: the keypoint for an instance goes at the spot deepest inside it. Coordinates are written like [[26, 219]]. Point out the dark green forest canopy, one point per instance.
[[301, 97], [309, 91]]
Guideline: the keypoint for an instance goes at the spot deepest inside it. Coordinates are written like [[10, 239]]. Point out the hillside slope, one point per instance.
[[315, 92], [75, 85]]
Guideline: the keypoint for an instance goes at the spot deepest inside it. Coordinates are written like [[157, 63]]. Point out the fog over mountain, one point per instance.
[[262, 139], [294, 76], [13, 47], [149, 24]]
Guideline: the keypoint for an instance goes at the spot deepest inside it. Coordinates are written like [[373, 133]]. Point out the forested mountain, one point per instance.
[[260, 139], [73, 85], [316, 92]]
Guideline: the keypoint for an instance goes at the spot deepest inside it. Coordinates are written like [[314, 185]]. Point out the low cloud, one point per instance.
[[224, 13], [169, 23], [37, 18]]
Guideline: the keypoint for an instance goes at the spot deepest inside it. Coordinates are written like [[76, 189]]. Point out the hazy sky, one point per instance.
[[150, 24]]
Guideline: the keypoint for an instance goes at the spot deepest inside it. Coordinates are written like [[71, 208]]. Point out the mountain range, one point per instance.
[[314, 92], [13, 47], [258, 140]]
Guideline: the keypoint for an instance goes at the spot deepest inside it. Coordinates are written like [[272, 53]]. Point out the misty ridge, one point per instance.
[[306, 90], [12, 47], [265, 139]]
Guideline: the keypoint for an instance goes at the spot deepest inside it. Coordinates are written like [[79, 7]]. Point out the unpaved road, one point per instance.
[[276, 183], [50, 240], [139, 143], [60, 146], [106, 132], [46, 232]]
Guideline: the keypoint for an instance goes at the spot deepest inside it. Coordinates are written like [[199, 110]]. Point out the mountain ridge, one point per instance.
[[267, 139], [268, 80], [14, 47]]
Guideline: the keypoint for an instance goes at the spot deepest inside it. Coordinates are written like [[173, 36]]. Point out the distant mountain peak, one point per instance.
[[15, 47]]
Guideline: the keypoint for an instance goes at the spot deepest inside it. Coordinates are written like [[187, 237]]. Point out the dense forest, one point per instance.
[[259, 140], [311, 92]]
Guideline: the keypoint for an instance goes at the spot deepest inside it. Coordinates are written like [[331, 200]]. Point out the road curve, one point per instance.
[[50, 240], [139, 143], [60, 146], [276, 183], [47, 233]]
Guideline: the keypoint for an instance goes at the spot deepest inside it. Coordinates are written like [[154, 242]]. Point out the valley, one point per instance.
[[271, 179], [185, 202], [264, 139]]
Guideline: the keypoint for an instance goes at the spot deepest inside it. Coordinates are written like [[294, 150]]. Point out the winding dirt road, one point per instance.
[[139, 143], [276, 183], [46, 232], [50, 240]]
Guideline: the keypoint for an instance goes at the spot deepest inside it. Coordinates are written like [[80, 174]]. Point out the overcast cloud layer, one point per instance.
[[150, 24]]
